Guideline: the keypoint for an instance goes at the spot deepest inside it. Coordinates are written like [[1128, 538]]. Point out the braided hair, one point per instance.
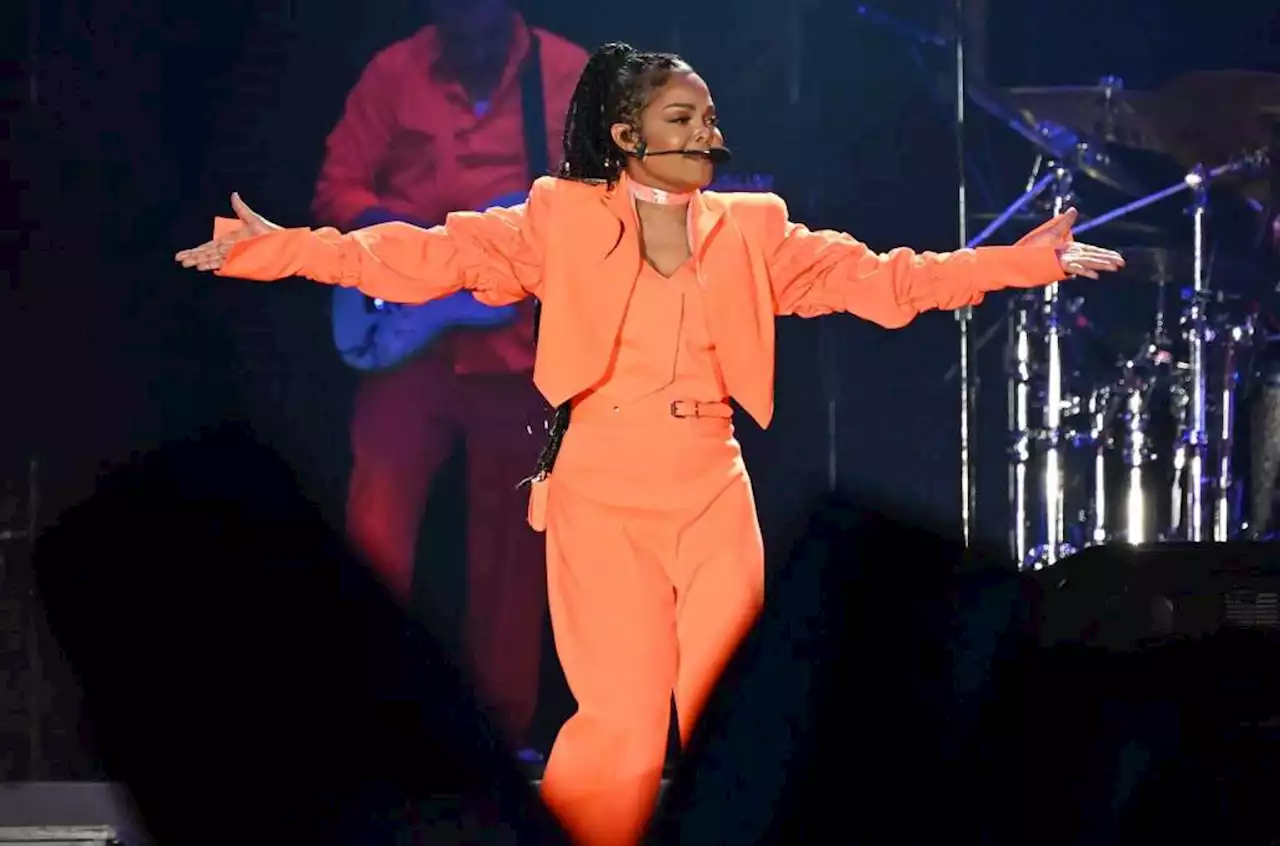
[[614, 87]]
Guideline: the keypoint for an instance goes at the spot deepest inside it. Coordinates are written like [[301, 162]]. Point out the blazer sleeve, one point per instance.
[[495, 254], [813, 273]]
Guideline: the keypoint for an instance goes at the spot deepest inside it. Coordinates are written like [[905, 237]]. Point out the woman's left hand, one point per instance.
[[1087, 260], [1076, 259]]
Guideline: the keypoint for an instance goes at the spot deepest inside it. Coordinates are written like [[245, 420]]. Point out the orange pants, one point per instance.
[[655, 572]]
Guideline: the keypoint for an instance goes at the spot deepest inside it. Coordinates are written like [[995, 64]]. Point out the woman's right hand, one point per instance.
[[211, 254]]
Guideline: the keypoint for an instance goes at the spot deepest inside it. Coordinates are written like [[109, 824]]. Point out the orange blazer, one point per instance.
[[575, 246]]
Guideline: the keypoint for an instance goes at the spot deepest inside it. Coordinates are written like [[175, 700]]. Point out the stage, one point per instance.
[[98, 814]]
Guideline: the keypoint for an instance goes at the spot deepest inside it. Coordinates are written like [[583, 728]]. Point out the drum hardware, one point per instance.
[[1136, 416], [1106, 112], [1071, 152], [1228, 519], [1037, 315], [1099, 408], [1196, 442], [1088, 155], [1025, 220], [1021, 392], [1165, 266], [1196, 180], [1191, 453], [1264, 459], [1207, 116], [1169, 382], [1201, 502]]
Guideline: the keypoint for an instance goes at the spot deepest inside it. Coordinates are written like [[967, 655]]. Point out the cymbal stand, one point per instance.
[[1196, 441], [1036, 314], [1053, 489], [1192, 397], [1191, 182]]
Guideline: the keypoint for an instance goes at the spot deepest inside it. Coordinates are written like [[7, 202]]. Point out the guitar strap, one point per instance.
[[533, 108], [534, 118]]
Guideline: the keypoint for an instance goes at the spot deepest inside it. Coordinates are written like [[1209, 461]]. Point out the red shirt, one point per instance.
[[410, 141]]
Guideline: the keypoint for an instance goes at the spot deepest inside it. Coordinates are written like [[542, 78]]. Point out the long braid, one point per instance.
[[614, 87]]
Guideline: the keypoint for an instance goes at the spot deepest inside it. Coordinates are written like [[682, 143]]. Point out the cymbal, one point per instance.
[[1107, 113], [1056, 139], [1165, 265], [1214, 117]]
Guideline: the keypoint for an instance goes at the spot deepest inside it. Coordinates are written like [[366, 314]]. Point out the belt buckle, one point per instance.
[[675, 409]]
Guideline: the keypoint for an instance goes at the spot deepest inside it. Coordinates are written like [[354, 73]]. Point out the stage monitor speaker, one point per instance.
[[1119, 596], [71, 813]]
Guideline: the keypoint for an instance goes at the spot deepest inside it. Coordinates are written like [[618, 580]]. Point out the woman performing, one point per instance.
[[658, 306]]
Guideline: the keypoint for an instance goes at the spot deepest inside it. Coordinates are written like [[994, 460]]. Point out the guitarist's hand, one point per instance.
[[211, 254]]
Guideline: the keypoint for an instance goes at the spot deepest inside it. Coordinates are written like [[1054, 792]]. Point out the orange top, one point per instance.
[[410, 141], [664, 345], [576, 246], [664, 354]]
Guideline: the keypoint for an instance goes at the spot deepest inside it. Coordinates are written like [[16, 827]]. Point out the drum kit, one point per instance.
[[1133, 437]]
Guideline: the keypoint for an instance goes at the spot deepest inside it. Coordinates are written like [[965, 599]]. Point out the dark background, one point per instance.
[[131, 123]]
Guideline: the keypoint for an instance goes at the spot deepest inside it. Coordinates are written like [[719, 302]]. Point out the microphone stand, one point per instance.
[[829, 355], [964, 316], [22, 533], [829, 347]]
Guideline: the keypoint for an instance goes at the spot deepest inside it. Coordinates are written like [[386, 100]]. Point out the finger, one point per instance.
[[242, 210], [192, 250], [189, 257], [1103, 255], [1078, 265], [1090, 249], [1061, 225]]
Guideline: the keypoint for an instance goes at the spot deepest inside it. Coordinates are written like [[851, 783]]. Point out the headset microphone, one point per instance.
[[716, 155]]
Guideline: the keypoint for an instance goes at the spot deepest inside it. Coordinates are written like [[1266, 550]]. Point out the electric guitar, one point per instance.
[[372, 335]]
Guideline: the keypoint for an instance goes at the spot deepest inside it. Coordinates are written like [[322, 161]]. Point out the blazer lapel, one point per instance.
[[607, 274], [599, 247], [738, 306]]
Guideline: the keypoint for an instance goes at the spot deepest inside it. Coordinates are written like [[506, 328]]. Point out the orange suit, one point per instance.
[[654, 556]]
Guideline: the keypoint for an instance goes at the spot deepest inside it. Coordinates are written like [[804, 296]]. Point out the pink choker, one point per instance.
[[656, 195]]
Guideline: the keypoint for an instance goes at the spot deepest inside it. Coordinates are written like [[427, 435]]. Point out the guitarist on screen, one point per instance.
[[437, 122]]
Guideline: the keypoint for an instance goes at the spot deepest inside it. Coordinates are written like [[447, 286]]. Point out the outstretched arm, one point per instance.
[[819, 272], [496, 254]]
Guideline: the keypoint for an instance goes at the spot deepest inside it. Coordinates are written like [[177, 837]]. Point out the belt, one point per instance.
[[693, 408], [599, 409]]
